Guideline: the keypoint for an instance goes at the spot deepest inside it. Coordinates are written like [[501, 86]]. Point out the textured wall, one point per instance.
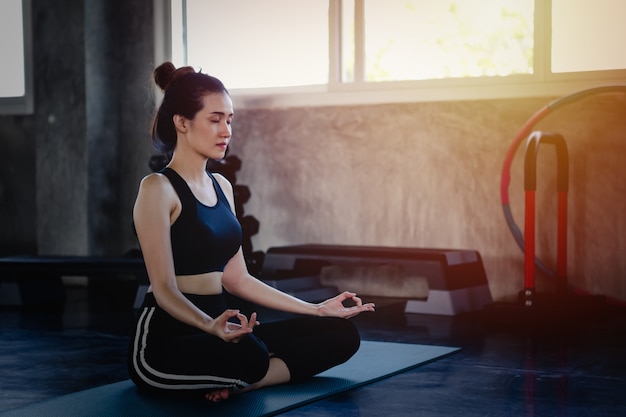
[[18, 229], [72, 168], [428, 175], [119, 67], [60, 120]]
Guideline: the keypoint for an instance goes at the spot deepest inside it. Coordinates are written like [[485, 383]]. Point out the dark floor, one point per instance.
[[578, 371]]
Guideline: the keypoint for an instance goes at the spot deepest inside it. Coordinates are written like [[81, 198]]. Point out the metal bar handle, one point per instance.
[[530, 187]]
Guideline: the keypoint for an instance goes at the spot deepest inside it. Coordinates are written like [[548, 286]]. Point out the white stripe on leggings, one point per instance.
[[142, 330]]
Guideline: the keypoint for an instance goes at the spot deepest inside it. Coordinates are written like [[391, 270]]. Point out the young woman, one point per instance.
[[186, 338]]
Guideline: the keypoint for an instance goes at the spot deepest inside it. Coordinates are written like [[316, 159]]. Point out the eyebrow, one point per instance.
[[221, 113]]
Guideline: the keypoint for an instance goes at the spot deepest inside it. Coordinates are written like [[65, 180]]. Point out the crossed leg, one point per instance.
[[277, 373]]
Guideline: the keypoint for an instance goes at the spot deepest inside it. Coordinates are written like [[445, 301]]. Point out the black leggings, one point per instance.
[[166, 354]]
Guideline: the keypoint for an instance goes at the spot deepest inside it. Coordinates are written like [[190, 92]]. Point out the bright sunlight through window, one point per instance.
[[400, 50], [251, 43], [12, 83], [423, 39]]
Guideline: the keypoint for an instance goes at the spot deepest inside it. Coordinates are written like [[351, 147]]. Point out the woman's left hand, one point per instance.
[[334, 307]]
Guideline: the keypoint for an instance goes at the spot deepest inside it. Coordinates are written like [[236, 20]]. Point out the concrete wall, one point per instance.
[[119, 106], [70, 169], [428, 175], [18, 212], [60, 137]]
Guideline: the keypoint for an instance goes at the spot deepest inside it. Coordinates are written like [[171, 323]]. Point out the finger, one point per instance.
[[367, 307], [226, 317], [252, 321], [357, 301], [347, 294], [356, 310], [232, 327], [341, 297], [243, 320], [229, 314], [236, 335]]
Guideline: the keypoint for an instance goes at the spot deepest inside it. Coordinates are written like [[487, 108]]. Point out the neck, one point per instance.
[[190, 169]]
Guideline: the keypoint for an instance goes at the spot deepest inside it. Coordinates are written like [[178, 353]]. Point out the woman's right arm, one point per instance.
[[156, 201]]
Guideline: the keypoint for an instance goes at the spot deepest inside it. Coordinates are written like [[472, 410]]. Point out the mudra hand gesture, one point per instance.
[[334, 307], [230, 331]]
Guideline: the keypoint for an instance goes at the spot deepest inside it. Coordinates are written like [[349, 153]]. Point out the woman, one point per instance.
[[186, 339]]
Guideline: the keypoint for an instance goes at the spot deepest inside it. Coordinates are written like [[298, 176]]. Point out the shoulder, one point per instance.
[[156, 186], [154, 182], [156, 199], [226, 188], [223, 182]]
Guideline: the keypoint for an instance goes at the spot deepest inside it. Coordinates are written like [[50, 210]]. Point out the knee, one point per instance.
[[257, 370], [255, 363], [346, 336]]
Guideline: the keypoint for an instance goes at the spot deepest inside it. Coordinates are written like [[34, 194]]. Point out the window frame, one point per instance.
[[542, 83]]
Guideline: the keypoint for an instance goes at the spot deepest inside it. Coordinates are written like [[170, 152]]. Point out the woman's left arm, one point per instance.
[[239, 282]]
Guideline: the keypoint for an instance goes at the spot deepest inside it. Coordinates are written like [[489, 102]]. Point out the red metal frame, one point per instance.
[[530, 186]]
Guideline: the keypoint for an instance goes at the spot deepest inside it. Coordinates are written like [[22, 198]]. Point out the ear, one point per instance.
[[180, 122]]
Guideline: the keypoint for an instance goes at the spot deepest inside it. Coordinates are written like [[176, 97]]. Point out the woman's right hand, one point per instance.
[[229, 331]]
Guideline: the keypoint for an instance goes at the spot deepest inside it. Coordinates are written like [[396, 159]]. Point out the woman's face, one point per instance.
[[210, 130]]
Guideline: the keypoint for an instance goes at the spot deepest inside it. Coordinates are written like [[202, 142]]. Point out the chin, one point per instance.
[[217, 156]]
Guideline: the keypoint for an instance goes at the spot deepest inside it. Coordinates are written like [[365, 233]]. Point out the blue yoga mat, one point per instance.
[[373, 362]]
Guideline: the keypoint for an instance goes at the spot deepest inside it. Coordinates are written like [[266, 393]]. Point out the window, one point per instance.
[[256, 44], [285, 52], [15, 80], [425, 39], [588, 36]]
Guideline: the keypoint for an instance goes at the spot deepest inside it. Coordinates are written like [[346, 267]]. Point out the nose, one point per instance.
[[225, 130]]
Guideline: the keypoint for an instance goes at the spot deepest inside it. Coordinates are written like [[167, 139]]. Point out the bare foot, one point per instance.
[[218, 395]]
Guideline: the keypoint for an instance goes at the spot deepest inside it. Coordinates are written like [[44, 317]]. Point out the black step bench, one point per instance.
[[456, 278], [36, 279]]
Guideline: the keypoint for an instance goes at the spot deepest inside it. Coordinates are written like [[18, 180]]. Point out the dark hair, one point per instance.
[[184, 89]]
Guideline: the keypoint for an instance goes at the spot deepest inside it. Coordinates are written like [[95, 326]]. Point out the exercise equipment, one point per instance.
[[456, 278], [567, 303], [524, 133], [36, 281], [123, 398], [530, 186]]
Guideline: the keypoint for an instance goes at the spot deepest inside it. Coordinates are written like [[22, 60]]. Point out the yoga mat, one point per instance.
[[373, 361]]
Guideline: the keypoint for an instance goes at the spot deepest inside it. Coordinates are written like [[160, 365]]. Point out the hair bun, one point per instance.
[[165, 73]]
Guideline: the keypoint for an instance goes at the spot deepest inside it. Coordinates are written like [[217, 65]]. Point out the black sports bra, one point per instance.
[[204, 238]]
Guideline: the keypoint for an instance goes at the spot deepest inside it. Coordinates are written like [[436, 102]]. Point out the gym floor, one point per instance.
[[557, 369]]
